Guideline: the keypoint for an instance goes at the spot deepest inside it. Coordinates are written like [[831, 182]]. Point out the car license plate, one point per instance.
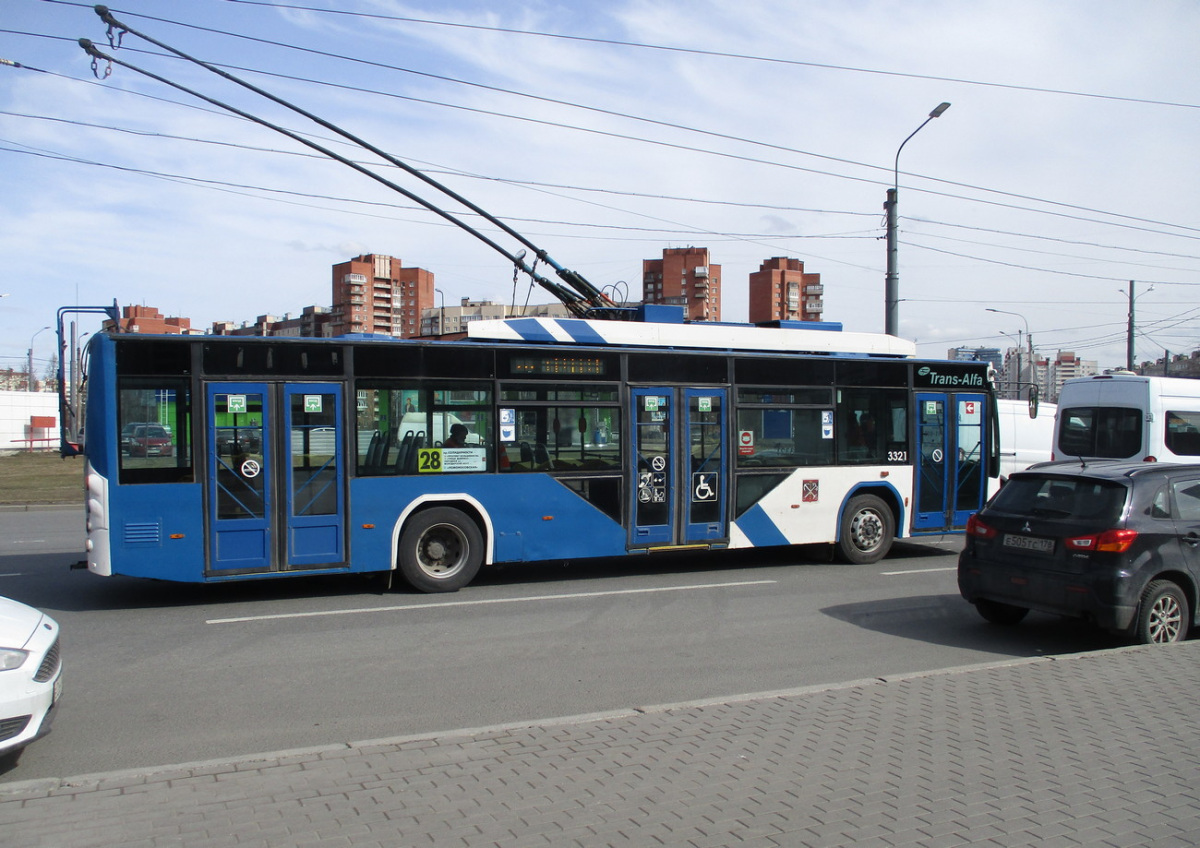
[[1028, 543], [57, 694]]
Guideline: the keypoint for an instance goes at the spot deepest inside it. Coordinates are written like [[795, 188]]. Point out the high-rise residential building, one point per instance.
[[781, 290], [1067, 366], [374, 293], [684, 277], [977, 354]]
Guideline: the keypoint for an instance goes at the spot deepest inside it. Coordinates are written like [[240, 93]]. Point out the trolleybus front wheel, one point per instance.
[[867, 530], [441, 550]]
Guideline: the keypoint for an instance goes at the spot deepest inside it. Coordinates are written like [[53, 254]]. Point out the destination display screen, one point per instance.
[[563, 366]]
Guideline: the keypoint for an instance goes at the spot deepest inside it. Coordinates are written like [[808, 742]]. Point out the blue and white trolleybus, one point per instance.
[[233, 458]]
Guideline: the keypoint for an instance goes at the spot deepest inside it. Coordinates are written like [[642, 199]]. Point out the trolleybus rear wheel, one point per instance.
[[441, 550]]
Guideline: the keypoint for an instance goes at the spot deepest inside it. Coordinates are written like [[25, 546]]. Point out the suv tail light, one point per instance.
[[1110, 541], [978, 529]]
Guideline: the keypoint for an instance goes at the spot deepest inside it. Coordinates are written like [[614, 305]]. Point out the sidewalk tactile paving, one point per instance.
[[1087, 750]]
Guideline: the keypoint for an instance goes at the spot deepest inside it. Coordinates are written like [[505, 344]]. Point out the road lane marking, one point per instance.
[[405, 607], [917, 571]]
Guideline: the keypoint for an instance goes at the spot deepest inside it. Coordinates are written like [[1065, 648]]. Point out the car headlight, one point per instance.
[[11, 658]]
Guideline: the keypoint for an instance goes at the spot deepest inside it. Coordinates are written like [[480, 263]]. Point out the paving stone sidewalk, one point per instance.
[[1087, 750]]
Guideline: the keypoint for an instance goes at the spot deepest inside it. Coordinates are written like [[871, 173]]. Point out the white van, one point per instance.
[[1127, 416], [1024, 440]]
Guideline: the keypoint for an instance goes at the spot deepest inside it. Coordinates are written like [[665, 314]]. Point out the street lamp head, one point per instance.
[[891, 285], [1007, 312]]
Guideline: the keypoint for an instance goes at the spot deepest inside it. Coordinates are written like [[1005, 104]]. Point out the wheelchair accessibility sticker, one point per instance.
[[704, 486]]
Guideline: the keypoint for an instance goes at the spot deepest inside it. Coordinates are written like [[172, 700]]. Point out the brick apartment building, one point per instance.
[[147, 319], [374, 293], [684, 277], [781, 290]]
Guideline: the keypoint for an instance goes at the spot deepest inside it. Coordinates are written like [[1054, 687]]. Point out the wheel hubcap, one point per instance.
[[867, 530], [442, 550], [1166, 620]]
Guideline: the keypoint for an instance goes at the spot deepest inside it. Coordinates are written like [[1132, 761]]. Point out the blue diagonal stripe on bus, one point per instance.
[[581, 331], [759, 528], [531, 330]]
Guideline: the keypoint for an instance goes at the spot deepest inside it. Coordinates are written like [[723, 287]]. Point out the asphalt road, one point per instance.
[[159, 673]]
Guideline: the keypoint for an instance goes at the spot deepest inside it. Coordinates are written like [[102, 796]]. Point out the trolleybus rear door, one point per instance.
[[679, 482], [314, 491], [704, 466], [276, 464]]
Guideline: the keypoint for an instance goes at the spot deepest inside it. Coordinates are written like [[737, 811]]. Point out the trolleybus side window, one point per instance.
[[423, 427], [154, 415], [554, 429], [784, 428], [872, 426]]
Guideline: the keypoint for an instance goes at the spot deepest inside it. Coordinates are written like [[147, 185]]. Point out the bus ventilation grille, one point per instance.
[[144, 533]]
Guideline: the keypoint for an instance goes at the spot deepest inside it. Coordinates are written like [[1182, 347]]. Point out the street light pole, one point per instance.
[[891, 286], [1015, 385], [1029, 341], [30, 381]]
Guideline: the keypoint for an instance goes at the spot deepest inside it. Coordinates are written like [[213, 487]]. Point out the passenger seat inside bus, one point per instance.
[[406, 457]]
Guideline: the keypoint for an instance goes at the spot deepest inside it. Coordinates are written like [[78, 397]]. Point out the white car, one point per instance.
[[30, 674]]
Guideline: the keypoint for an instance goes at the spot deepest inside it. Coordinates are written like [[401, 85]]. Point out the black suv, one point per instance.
[[1117, 543]]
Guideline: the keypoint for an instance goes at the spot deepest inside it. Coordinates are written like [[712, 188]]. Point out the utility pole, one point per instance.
[[1129, 332]]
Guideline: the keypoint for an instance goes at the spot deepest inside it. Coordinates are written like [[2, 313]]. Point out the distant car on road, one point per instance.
[[128, 431], [1116, 543], [151, 440], [234, 441], [30, 675]]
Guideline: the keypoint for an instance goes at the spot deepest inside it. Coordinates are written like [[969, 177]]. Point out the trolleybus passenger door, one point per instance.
[[313, 464], [951, 472], [704, 466], [276, 477], [240, 479], [679, 482]]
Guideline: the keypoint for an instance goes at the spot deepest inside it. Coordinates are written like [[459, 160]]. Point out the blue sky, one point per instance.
[[1064, 169]]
